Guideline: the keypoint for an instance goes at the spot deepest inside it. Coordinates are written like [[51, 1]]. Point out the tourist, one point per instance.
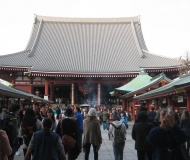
[[12, 117], [79, 120], [49, 147], [68, 126], [5, 148], [92, 134], [139, 133], [50, 114], [166, 137], [118, 140], [152, 114], [185, 124], [29, 121], [109, 121], [105, 117], [43, 110], [124, 119]]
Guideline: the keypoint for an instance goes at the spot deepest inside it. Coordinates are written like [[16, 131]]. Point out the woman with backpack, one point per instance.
[[28, 126]]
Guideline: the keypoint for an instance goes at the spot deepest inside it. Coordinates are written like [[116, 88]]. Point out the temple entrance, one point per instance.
[[86, 94], [106, 98], [61, 94]]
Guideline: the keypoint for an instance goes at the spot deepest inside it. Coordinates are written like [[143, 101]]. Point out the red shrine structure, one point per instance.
[[81, 60]]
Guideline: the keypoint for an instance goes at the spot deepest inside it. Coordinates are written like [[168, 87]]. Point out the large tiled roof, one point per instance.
[[82, 45], [183, 81]]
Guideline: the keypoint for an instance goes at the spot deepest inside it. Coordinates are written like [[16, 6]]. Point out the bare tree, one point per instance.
[[185, 64]]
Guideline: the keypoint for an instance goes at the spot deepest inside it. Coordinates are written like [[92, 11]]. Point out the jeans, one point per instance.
[[87, 148], [80, 139], [118, 150], [14, 150]]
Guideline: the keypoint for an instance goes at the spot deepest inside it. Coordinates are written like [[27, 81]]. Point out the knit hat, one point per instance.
[[92, 112], [115, 117], [69, 112]]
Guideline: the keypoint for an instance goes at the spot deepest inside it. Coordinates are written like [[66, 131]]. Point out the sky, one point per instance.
[[165, 23]]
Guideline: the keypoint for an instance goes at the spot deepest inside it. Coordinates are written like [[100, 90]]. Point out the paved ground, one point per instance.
[[106, 150]]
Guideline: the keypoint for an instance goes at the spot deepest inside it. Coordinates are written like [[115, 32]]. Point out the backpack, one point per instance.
[[27, 131], [118, 135], [8, 128]]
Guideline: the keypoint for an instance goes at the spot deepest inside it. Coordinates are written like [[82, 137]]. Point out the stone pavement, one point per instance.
[[106, 150]]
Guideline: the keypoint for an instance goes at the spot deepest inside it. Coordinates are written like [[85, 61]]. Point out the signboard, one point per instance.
[[164, 100], [45, 97], [180, 99]]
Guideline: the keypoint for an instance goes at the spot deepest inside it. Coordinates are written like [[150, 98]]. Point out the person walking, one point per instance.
[[45, 144], [50, 114], [105, 116], [92, 134], [152, 114], [28, 126], [5, 148], [118, 130], [79, 120], [185, 124], [139, 133], [12, 119], [68, 126], [166, 137]]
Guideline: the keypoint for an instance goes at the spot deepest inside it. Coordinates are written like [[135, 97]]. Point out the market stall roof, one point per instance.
[[10, 91], [142, 79], [152, 81], [175, 86]]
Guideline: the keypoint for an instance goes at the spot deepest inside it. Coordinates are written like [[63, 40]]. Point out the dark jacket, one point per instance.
[[13, 123], [152, 115], [44, 146], [139, 132], [185, 124], [162, 140]]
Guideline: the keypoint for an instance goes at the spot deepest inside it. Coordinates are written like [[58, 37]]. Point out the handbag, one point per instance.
[[180, 153], [67, 140]]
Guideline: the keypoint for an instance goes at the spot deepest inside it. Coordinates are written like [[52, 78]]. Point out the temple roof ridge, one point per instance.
[[159, 55], [86, 20]]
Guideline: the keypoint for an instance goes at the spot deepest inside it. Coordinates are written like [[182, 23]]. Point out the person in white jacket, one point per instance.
[[118, 130]]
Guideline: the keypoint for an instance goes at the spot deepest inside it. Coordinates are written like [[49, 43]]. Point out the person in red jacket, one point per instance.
[[5, 148]]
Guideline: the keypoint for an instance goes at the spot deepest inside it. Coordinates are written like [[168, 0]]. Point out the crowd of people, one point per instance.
[[159, 135], [40, 131]]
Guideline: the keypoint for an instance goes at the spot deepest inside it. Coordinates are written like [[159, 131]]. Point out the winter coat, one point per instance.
[[92, 132], [5, 148], [162, 140], [105, 116], [139, 132], [185, 124]]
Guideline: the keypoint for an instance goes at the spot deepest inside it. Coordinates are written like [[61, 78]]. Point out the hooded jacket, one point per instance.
[[117, 124]]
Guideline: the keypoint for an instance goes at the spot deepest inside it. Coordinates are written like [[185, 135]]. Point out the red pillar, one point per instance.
[[148, 105], [188, 100], [46, 87], [72, 95], [126, 105], [123, 104], [169, 101], [31, 84], [156, 104], [133, 111], [99, 95]]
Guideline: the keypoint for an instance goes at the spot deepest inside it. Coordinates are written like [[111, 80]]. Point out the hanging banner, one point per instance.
[[85, 88]]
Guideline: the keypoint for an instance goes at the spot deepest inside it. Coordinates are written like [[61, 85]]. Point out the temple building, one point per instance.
[[81, 60]]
